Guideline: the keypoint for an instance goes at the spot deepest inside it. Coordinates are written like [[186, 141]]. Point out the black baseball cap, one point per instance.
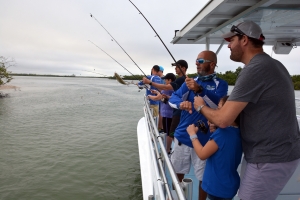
[[169, 76], [182, 63]]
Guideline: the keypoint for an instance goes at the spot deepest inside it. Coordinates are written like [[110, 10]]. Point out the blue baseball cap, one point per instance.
[[161, 68]]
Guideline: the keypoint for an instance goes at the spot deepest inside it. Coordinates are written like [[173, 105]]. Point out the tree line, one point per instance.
[[5, 75], [229, 76]]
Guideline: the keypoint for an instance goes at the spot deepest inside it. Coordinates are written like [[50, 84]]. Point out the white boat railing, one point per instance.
[[160, 157]]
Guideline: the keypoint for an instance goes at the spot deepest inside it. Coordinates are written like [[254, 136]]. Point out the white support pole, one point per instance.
[[207, 43], [220, 47]]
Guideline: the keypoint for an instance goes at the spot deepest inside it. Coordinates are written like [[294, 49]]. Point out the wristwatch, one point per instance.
[[193, 137], [150, 83], [199, 108]]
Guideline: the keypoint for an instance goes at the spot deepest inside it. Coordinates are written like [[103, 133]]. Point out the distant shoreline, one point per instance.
[[49, 75]]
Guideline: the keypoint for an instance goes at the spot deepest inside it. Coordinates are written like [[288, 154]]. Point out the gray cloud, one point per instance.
[[51, 37]]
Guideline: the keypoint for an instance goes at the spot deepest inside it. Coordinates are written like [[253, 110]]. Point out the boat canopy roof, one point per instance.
[[279, 20]]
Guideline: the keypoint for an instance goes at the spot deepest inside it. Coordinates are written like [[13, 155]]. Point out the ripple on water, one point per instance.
[[64, 138]]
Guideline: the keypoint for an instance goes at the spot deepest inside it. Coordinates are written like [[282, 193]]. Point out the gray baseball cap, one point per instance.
[[248, 28]]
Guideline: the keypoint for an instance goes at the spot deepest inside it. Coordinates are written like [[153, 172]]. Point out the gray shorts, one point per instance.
[[182, 158], [265, 180]]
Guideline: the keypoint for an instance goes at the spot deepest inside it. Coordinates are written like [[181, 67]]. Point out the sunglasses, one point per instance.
[[237, 30], [201, 61], [201, 125]]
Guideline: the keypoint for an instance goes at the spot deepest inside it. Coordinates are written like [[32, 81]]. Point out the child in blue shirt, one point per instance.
[[166, 110], [223, 152]]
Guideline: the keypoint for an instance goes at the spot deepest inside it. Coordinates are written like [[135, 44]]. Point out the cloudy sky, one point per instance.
[[52, 36]]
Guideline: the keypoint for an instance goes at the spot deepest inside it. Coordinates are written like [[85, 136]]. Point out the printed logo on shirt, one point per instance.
[[210, 87]]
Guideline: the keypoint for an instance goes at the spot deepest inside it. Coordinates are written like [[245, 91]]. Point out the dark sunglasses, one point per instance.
[[201, 125], [237, 30], [201, 61]]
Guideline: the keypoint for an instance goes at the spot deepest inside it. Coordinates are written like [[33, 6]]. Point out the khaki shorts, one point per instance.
[[182, 158], [155, 110]]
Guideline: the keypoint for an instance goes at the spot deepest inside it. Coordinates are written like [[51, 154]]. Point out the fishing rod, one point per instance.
[[154, 31], [117, 43], [157, 36], [140, 87], [114, 60]]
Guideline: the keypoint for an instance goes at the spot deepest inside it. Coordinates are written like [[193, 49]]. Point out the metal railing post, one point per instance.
[[188, 188]]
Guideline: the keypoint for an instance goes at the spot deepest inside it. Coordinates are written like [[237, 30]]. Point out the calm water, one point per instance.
[[70, 138]]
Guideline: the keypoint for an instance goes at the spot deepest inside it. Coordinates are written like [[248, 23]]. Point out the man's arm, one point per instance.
[[176, 98], [213, 96], [142, 82], [157, 97], [222, 117], [158, 85]]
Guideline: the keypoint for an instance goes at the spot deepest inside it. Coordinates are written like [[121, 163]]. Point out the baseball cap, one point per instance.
[[161, 68], [249, 28], [182, 63], [169, 76]]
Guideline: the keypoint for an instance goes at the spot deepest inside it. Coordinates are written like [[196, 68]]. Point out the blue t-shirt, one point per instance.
[[220, 176], [155, 79], [177, 83], [213, 91]]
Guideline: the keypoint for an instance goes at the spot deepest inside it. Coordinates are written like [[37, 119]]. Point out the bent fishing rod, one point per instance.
[[114, 59], [117, 43], [157, 36], [119, 64]]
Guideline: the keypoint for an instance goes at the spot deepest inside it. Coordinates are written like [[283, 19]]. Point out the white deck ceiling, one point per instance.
[[279, 20]]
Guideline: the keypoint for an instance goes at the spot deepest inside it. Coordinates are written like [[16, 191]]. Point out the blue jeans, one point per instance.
[[212, 197]]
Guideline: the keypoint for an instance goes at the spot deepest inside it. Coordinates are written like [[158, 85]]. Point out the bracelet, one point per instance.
[[193, 137]]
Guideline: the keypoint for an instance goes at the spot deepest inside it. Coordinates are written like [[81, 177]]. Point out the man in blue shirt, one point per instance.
[[211, 88], [154, 78]]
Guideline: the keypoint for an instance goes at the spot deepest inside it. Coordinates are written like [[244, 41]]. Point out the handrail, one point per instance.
[[155, 157], [152, 128]]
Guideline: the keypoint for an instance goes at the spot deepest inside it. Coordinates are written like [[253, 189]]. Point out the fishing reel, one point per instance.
[[164, 100], [141, 87], [201, 126]]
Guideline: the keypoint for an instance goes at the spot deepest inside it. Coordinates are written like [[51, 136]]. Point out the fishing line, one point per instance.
[[119, 63], [157, 36], [114, 59], [94, 72], [118, 44]]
